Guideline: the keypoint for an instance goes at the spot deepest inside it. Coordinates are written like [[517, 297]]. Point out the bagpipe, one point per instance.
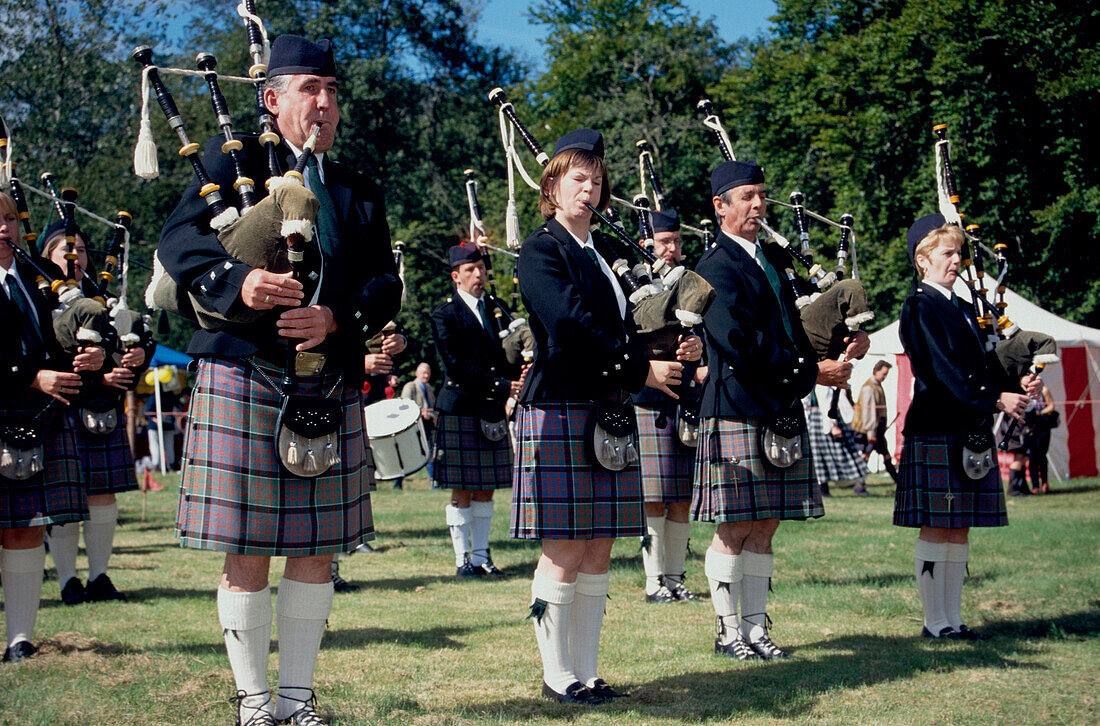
[[666, 302], [515, 334], [831, 305], [1017, 352], [271, 233]]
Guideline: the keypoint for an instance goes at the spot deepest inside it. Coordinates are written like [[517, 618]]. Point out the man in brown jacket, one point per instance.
[[869, 420]]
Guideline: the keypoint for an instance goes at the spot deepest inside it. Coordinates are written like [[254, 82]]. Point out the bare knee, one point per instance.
[[101, 500], [760, 537], [315, 569], [23, 538], [730, 537], [460, 498], [679, 511], [482, 495], [246, 573]]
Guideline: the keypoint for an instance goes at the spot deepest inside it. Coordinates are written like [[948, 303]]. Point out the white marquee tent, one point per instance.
[[1074, 383]]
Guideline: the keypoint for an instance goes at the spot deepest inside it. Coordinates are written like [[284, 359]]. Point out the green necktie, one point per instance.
[[592, 256], [328, 228], [777, 288], [483, 315], [32, 336]]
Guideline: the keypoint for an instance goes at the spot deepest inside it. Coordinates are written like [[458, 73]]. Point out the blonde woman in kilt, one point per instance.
[[561, 496], [236, 496], [35, 375], [668, 466], [760, 366], [957, 391], [477, 381], [105, 459]]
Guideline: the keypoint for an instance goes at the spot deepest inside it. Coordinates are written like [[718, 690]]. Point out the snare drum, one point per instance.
[[397, 438]]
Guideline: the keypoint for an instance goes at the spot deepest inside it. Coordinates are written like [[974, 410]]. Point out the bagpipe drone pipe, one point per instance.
[[516, 335], [1017, 352], [831, 305]]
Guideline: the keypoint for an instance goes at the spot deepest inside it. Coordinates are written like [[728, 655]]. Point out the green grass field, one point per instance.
[[416, 646]]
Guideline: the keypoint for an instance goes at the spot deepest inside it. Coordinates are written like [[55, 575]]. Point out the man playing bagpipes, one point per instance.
[[237, 492], [668, 464], [473, 452], [752, 465]]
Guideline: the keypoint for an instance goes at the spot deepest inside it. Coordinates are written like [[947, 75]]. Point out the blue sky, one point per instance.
[[504, 22]]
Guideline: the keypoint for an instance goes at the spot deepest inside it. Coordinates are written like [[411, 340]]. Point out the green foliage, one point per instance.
[[841, 100]]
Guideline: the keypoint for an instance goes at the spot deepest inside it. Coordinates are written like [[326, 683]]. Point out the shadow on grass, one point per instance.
[[790, 688], [429, 639], [873, 580]]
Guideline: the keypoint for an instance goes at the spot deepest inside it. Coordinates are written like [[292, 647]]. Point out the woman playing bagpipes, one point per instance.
[[105, 456], [949, 479], [39, 469], [577, 479]]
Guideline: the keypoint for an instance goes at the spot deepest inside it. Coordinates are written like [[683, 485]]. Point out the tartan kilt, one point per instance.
[[106, 460], [234, 494], [558, 493], [465, 459], [835, 459], [734, 484], [55, 496], [668, 467], [928, 472]]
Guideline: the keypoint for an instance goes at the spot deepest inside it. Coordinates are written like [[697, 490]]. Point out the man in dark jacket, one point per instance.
[[236, 494], [754, 470], [473, 451]]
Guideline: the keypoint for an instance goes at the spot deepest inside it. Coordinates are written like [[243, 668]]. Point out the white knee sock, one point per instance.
[[480, 523], [64, 542], [676, 549], [22, 574], [552, 630], [930, 558], [758, 570], [724, 574], [653, 557], [954, 572], [246, 620], [585, 622], [458, 521], [99, 537], [301, 609]]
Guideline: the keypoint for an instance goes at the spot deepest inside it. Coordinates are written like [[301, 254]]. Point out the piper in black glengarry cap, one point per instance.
[[564, 494], [668, 466], [750, 475], [231, 463], [942, 489], [473, 452]]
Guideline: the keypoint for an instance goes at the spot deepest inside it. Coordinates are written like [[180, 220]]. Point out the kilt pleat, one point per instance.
[[933, 492], [835, 459], [106, 460], [734, 484], [234, 494], [668, 467], [558, 493], [465, 459], [54, 496]]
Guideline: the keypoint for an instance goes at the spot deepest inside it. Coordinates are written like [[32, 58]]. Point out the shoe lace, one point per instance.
[[260, 715], [306, 714]]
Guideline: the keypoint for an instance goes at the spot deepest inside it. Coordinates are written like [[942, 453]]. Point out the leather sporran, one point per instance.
[[611, 435], [99, 414], [976, 455], [21, 451], [307, 434], [687, 427], [781, 439], [493, 423]]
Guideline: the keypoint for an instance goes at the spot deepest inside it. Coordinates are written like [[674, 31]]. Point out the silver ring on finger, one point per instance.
[[267, 298]]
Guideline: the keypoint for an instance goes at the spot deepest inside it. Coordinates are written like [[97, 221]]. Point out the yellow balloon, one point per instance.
[[164, 374], [149, 378]]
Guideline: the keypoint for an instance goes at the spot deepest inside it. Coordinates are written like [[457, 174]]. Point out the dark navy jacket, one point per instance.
[[957, 383], [475, 369], [17, 371], [583, 351], [360, 285], [755, 367]]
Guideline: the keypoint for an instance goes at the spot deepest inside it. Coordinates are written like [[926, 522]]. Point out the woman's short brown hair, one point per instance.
[[57, 239], [559, 166], [932, 240], [6, 202]]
